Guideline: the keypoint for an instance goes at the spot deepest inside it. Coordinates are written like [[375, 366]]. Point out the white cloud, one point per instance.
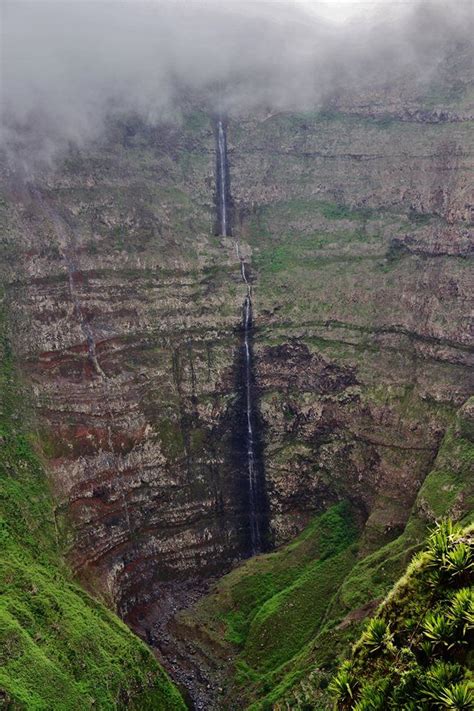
[[67, 65]]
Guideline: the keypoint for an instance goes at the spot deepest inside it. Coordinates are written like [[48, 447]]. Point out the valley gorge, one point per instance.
[[245, 353]]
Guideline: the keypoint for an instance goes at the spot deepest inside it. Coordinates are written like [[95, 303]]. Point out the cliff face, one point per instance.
[[361, 244], [127, 313], [60, 648]]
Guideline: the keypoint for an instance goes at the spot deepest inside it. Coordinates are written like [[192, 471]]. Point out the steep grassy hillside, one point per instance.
[[416, 653], [60, 649]]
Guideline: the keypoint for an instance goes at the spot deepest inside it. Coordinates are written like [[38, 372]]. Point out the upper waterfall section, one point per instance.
[[223, 226]]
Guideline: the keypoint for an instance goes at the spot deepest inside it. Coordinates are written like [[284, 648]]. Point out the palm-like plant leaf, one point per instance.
[[438, 629], [439, 677], [377, 636], [458, 697], [344, 684], [461, 612], [459, 560]]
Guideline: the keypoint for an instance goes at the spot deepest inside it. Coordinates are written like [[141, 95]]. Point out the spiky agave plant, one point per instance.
[[344, 685], [461, 614], [458, 697], [459, 561], [441, 540], [377, 636], [444, 674], [438, 629], [438, 678], [371, 700]]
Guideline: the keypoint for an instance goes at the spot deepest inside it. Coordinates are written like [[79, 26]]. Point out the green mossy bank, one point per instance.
[[60, 649], [416, 653]]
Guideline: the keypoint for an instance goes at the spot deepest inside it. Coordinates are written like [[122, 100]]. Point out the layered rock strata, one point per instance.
[[128, 309]]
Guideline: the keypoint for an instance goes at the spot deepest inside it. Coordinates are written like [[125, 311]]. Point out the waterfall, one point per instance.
[[250, 448], [255, 537], [222, 155]]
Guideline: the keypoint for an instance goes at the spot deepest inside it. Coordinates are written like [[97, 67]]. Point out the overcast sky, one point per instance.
[[68, 64]]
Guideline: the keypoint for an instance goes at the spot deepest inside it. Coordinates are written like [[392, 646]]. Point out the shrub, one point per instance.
[[458, 697], [408, 685], [378, 637], [438, 629], [344, 684]]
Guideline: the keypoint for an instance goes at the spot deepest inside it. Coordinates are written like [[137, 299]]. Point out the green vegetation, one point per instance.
[[415, 654], [61, 649], [263, 586], [338, 211], [287, 212], [272, 606], [171, 437], [449, 486]]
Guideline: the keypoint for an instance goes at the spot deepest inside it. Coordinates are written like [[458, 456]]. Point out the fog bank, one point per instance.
[[67, 65]]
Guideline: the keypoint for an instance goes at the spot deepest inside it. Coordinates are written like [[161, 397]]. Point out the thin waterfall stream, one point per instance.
[[255, 536], [252, 469], [222, 153]]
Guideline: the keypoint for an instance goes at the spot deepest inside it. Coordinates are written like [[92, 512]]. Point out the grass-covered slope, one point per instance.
[[417, 653], [271, 606], [60, 650]]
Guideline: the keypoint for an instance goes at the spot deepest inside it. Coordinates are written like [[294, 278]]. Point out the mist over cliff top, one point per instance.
[[67, 66]]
